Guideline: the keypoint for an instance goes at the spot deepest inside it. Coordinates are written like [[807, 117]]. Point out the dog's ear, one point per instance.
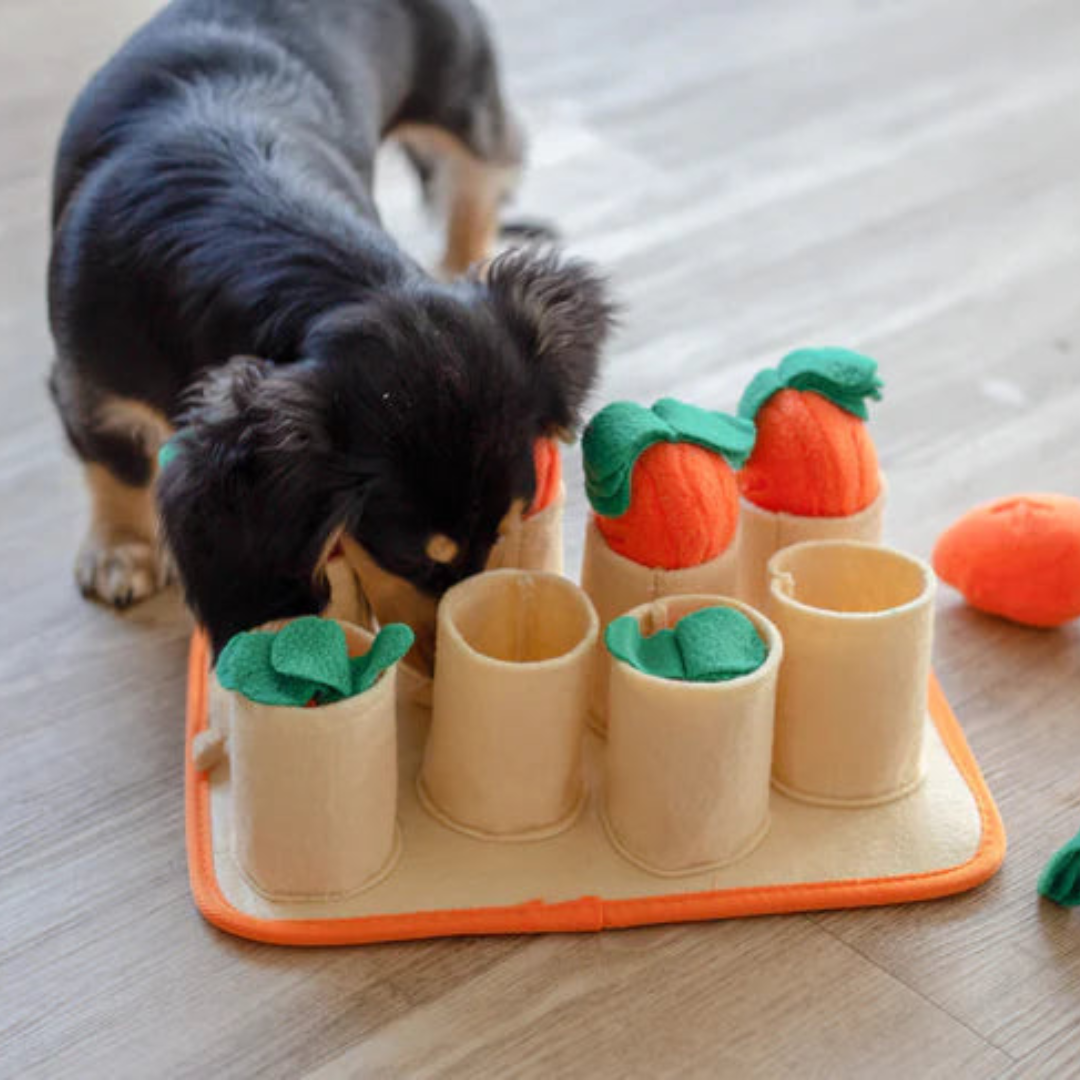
[[251, 496], [559, 310]]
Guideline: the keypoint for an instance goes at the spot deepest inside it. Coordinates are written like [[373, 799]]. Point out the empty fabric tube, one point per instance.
[[857, 623], [515, 651]]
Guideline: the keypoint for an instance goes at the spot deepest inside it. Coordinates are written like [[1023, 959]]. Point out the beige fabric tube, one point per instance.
[[688, 763], [616, 584], [857, 622], [533, 543], [514, 656], [762, 533], [315, 790]]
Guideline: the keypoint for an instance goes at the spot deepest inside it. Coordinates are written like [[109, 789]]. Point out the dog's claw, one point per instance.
[[122, 573]]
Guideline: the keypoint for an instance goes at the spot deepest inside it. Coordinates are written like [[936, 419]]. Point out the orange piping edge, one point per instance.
[[586, 912]]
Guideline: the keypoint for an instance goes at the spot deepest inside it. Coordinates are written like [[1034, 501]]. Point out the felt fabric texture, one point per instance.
[[762, 533], [684, 512], [1017, 557], [547, 462], [621, 432], [315, 790], [616, 584], [713, 644], [1060, 879], [307, 660], [688, 763], [813, 455], [811, 458], [945, 838], [844, 377], [857, 623], [515, 653], [535, 542]]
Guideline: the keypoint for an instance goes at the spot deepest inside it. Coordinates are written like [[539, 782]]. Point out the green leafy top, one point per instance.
[[846, 378], [622, 431], [307, 660], [710, 645], [1060, 880]]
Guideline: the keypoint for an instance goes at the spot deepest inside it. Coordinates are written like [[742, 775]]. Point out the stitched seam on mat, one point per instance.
[[594, 911]]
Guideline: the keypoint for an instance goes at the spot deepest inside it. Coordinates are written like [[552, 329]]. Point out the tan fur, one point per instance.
[[118, 511], [473, 190], [514, 517], [441, 549], [393, 599], [141, 422], [121, 560]]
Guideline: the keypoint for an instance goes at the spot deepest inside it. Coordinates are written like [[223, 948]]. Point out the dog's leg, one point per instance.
[[469, 189], [476, 192], [120, 560], [117, 439]]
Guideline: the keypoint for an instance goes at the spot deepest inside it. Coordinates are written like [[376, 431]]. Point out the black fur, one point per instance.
[[212, 199]]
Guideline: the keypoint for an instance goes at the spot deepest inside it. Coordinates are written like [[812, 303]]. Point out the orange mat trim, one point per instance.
[[587, 912]]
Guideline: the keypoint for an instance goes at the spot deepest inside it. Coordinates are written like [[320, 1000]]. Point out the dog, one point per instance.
[[218, 270]]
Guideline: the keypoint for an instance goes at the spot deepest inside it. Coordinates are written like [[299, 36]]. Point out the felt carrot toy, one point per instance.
[[813, 455], [548, 464], [1017, 557], [661, 481]]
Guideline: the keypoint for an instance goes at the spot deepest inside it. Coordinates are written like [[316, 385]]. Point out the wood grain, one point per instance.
[[898, 177]]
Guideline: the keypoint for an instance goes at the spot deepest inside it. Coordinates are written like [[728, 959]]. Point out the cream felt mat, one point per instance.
[[943, 837]]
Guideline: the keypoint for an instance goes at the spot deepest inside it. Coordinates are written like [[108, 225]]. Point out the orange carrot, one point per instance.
[[662, 483], [684, 511], [1017, 557], [813, 455]]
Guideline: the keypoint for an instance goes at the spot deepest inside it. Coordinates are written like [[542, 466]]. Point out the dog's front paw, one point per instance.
[[123, 572]]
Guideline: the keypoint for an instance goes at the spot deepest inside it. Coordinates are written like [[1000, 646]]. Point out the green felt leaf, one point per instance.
[[658, 654], [308, 659], [245, 666], [845, 378], [392, 642], [622, 431], [710, 645], [314, 650], [730, 436], [1060, 880], [719, 643]]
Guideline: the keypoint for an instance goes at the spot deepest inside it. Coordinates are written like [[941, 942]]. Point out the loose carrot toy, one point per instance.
[[661, 480], [813, 455], [1017, 557]]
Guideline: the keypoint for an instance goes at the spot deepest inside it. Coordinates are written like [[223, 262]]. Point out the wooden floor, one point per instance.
[[901, 177]]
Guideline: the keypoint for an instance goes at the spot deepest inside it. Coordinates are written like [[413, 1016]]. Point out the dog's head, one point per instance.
[[407, 431]]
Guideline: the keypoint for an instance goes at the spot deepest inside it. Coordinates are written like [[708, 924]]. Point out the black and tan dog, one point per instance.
[[218, 266]]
